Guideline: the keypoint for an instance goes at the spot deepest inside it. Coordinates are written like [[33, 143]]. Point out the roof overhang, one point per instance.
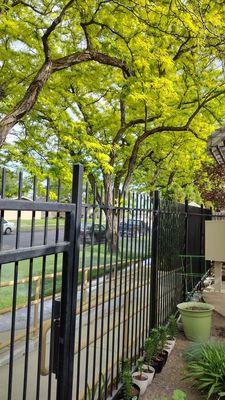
[[216, 145]]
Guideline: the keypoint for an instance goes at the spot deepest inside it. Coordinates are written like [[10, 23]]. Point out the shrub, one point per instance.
[[194, 351], [207, 369], [140, 365], [177, 395], [127, 385], [126, 378], [172, 327], [150, 350], [162, 331], [154, 336]]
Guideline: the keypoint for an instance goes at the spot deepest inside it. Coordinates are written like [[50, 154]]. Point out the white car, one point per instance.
[[8, 227]]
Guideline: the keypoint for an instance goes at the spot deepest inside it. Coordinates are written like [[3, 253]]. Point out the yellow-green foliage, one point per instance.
[[175, 52]]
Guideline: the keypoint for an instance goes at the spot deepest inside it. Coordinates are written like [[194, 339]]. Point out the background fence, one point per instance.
[[133, 259]]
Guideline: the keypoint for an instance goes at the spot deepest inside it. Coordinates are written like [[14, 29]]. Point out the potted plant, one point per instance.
[[157, 361], [171, 334], [162, 343], [150, 352], [197, 320], [139, 377], [129, 391]]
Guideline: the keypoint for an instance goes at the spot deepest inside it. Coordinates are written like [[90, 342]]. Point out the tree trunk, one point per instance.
[[112, 231], [111, 216]]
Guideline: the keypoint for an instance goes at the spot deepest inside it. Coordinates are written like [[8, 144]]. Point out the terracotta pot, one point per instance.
[[141, 380]]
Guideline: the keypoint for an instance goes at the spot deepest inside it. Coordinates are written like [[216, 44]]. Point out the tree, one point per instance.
[[42, 39], [211, 185], [10, 184], [46, 38], [167, 99]]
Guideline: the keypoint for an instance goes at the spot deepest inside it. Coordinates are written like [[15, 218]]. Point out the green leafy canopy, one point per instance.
[[131, 89]]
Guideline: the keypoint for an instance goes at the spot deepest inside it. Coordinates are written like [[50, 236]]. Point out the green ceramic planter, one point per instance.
[[197, 320]]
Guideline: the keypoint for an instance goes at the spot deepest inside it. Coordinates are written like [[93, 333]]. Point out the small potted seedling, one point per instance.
[[157, 361], [150, 352], [162, 343], [139, 377], [172, 333], [130, 391]]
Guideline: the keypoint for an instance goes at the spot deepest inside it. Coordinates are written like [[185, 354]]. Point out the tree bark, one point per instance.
[[47, 69], [111, 214], [27, 103]]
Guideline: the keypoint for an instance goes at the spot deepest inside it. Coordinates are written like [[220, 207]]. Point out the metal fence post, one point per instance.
[[202, 216], [126, 322], [85, 286], [69, 291], [186, 228], [154, 261], [36, 305], [186, 238]]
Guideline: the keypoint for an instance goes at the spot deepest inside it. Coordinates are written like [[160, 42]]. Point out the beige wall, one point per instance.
[[215, 240]]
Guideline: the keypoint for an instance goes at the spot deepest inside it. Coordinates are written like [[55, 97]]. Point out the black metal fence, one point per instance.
[[23, 326], [76, 299]]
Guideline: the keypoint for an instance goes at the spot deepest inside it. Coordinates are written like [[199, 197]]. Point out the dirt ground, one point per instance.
[[171, 377]]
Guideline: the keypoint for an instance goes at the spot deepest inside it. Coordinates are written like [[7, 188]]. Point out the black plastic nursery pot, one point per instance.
[[164, 355], [158, 364], [135, 395], [159, 361]]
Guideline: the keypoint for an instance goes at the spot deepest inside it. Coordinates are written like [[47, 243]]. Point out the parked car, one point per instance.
[[8, 227], [93, 232], [132, 226]]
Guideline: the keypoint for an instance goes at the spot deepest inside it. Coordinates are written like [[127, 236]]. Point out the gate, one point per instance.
[[22, 371]]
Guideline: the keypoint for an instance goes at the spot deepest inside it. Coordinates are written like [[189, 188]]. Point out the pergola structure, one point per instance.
[[216, 145]]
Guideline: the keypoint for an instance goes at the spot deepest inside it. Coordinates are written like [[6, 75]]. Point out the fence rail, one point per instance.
[[82, 317]]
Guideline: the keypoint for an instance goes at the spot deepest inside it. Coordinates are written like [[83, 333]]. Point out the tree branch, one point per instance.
[[52, 27], [87, 37], [48, 68], [183, 49], [131, 124], [91, 55], [36, 10], [132, 161], [27, 103], [122, 113]]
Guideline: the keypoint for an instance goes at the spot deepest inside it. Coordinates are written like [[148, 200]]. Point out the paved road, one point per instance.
[[10, 240]]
